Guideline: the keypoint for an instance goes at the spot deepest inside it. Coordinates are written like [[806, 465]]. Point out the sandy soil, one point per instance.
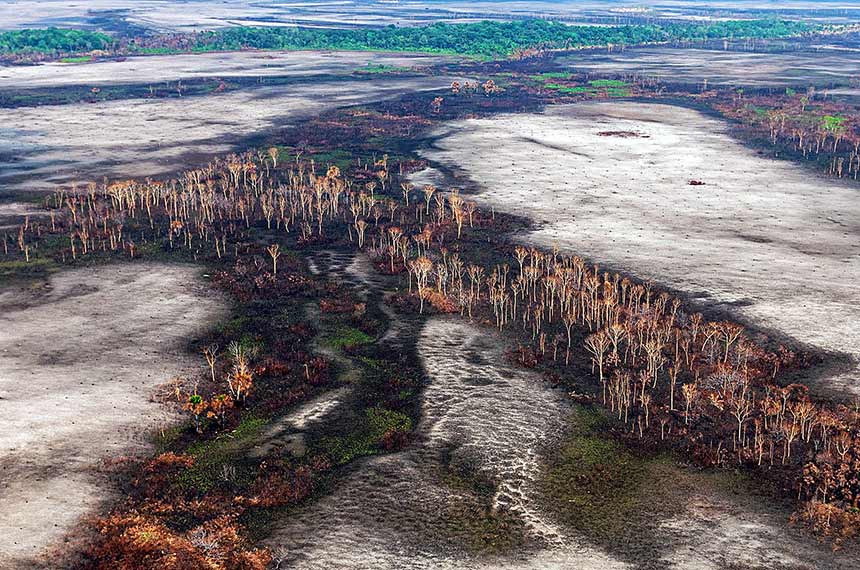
[[850, 95], [822, 67], [185, 15], [43, 147], [158, 69], [396, 511], [769, 240], [79, 361], [399, 511]]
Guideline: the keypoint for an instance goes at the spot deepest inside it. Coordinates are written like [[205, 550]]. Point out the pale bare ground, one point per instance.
[[482, 416], [769, 240], [187, 15], [798, 69], [80, 358], [157, 69], [45, 147], [397, 511]]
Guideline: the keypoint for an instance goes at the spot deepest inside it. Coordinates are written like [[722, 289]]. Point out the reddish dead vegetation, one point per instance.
[[170, 524], [335, 305], [166, 522], [667, 374], [148, 532], [810, 126], [131, 541], [139, 534]]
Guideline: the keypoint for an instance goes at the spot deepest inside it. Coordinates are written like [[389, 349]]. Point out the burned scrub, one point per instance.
[[366, 210]]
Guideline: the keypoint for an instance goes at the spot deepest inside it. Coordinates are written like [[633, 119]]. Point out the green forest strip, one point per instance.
[[54, 41], [486, 39]]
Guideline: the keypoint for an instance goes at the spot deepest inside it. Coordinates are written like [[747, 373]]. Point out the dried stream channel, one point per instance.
[[465, 490], [293, 431], [504, 471]]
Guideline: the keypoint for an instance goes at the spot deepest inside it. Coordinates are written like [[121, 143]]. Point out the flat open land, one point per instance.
[[158, 69], [48, 146], [294, 358], [718, 67], [187, 15], [767, 240], [80, 358], [483, 420]]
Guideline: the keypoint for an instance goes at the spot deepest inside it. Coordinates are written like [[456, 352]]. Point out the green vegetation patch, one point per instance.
[[833, 123], [373, 429], [20, 269], [619, 92], [490, 38], [591, 90], [480, 39], [79, 59], [552, 75], [378, 69], [604, 83], [227, 449], [336, 157], [53, 40], [578, 90], [593, 483], [347, 337]]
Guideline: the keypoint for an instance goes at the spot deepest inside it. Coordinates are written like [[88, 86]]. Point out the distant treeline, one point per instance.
[[481, 39], [54, 41], [491, 38]]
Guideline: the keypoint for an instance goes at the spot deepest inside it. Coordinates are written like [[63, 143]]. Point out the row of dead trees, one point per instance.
[[664, 372]]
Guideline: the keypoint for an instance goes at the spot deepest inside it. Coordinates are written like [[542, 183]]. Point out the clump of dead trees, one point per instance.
[[667, 374], [807, 124]]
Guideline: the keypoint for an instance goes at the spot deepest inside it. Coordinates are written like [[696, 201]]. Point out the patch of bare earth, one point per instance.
[[720, 67], [480, 418], [44, 147], [768, 240], [157, 69], [79, 361]]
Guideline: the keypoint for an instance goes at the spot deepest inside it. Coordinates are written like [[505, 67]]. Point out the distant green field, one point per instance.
[[609, 87], [79, 59]]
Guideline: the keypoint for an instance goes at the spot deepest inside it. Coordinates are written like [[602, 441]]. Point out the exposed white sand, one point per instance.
[[715, 533], [158, 69], [43, 147], [79, 361], [185, 15], [718, 67], [396, 511], [771, 240]]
